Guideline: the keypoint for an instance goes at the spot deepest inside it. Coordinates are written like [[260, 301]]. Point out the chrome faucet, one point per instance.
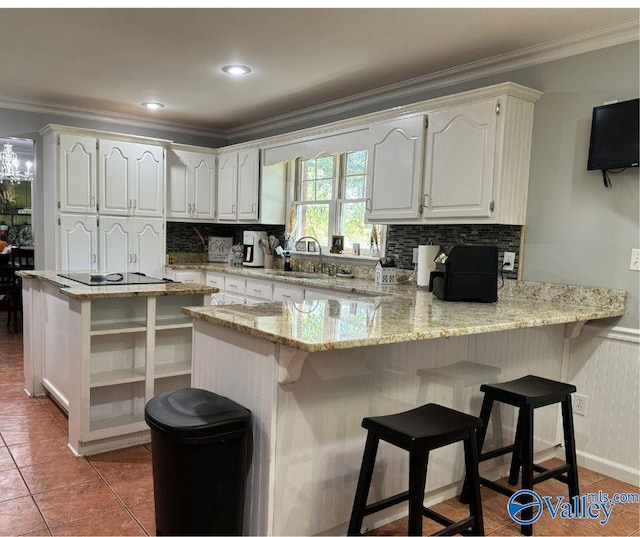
[[319, 247]]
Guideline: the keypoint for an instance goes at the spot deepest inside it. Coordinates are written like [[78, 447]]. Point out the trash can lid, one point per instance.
[[195, 413]]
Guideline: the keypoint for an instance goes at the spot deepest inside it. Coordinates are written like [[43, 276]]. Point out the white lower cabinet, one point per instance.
[[78, 239], [215, 280], [187, 276], [287, 293]]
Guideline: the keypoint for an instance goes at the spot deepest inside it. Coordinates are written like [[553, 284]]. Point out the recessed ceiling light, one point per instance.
[[152, 105], [236, 69]]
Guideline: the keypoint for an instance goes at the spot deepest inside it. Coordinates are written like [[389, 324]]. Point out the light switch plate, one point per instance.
[[634, 264]]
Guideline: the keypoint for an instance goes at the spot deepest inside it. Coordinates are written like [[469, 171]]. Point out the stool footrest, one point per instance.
[[440, 519], [387, 502], [456, 527], [494, 486], [554, 473], [497, 452]]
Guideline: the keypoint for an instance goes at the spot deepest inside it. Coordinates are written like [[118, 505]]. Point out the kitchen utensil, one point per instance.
[[264, 244], [279, 251], [273, 243]]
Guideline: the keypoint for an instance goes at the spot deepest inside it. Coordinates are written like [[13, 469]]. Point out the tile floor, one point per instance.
[[45, 490]]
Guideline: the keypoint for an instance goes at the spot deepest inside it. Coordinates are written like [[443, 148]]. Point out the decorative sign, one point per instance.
[[219, 249]]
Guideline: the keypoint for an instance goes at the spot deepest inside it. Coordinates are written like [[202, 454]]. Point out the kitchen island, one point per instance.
[[103, 351], [310, 371]]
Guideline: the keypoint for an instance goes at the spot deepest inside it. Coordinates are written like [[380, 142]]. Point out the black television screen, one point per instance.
[[614, 136]]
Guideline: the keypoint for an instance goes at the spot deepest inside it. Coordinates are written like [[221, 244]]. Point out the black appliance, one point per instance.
[[614, 137], [466, 274], [113, 278]]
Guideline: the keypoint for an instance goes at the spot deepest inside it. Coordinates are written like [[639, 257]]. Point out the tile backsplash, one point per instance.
[[401, 239]]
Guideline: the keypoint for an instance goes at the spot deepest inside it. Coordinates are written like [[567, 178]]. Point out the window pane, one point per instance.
[[308, 191], [314, 220], [324, 190], [354, 187], [309, 169], [354, 227], [356, 162], [324, 167]]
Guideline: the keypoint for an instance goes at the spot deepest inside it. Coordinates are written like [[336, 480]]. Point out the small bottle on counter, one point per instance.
[[287, 262]]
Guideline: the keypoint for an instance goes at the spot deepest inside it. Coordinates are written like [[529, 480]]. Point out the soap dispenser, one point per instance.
[[287, 262]]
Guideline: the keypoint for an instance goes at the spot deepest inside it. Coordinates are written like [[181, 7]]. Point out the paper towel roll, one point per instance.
[[426, 263]]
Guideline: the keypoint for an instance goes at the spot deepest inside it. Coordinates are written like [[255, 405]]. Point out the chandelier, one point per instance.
[[9, 167]]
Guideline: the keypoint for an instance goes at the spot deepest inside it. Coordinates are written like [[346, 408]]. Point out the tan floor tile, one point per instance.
[[133, 487], [6, 461], [42, 451], [56, 474], [145, 514], [118, 522], [20, 516], [32, 434], [67, 504], [509, 529], [12, 485]]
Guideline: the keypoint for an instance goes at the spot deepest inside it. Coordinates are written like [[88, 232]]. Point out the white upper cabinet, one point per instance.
[[78, 242], [115, 178], [239, 185], [115, 243], [148, 180], [191, 185], [459, 167], [77, 174], [394, 181]]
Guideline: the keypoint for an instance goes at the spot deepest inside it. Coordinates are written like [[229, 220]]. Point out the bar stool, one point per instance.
[[528, 393], [419, 431]]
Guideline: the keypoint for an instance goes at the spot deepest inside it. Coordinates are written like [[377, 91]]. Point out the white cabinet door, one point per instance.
[[460, 161], [148, 180], [115, 243], [114, 177], [77, 174], [287, 293], [179, 184], [394, 182], [188, 276], [203, 173], [228, 186], [78, 240], [248, 183], [148, 246]]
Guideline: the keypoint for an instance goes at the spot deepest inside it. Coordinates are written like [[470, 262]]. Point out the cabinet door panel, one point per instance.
[[114, 177], [77, 168], [460, 161], [248, 184], [203, 170], [149, 246], [228, 186], [178, 184], [115, 243], [78, 242], [396, 151], [148, 178]]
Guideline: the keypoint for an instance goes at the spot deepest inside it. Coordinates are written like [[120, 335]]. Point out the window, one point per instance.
[[330, 199]]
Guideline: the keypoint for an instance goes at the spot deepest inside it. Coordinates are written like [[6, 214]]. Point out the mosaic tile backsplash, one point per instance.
[[401, 240]]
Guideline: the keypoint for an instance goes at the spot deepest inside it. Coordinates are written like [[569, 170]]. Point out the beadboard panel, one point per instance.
[[606, 369]]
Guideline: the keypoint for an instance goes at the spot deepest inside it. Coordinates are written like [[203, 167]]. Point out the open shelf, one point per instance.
[[116, 376], [169, 323], [102, 328], [130, 422], [173, 369]]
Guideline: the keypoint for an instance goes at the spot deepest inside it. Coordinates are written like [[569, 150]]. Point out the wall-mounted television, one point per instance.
[[614, 137]]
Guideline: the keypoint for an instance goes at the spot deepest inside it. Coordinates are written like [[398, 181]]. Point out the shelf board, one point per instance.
[[129, 423], [117, 327], [170, 323], [116, 376], [173, 369]]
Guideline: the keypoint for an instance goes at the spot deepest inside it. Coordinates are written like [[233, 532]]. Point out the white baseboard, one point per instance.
[[605, 467]]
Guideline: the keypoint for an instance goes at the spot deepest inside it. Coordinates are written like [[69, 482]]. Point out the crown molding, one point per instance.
[[110, 117], [607, 36]]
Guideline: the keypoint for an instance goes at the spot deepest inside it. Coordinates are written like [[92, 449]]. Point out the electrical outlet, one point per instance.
[[415, 256], [634, 264], [580, 404], [509, 261]]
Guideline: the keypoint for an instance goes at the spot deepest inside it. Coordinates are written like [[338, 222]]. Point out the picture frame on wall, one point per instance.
[[337, 244]]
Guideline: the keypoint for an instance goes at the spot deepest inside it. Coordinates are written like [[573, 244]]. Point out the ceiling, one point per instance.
[[111, 60]]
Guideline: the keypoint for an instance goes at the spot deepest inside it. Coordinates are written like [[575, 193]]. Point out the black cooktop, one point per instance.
[[112, 278]]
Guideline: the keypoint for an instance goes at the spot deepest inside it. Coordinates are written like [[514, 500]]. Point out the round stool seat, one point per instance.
[[529, 391], [429, 426]]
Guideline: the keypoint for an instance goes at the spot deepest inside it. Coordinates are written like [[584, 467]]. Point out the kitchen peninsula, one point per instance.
[[311, 370], [103, 351]]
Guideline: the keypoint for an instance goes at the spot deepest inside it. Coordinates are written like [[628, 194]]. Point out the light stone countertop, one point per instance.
[[402, 312], [81, 291]]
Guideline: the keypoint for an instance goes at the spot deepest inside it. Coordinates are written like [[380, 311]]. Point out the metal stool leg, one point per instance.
[[418, 460], [364, 482], [473, 477]]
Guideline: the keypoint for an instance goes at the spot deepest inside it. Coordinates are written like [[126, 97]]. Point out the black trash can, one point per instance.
[[201, 447]]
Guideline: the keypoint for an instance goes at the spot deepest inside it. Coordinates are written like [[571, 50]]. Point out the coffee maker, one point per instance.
[[253, 252], [466, 274]]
